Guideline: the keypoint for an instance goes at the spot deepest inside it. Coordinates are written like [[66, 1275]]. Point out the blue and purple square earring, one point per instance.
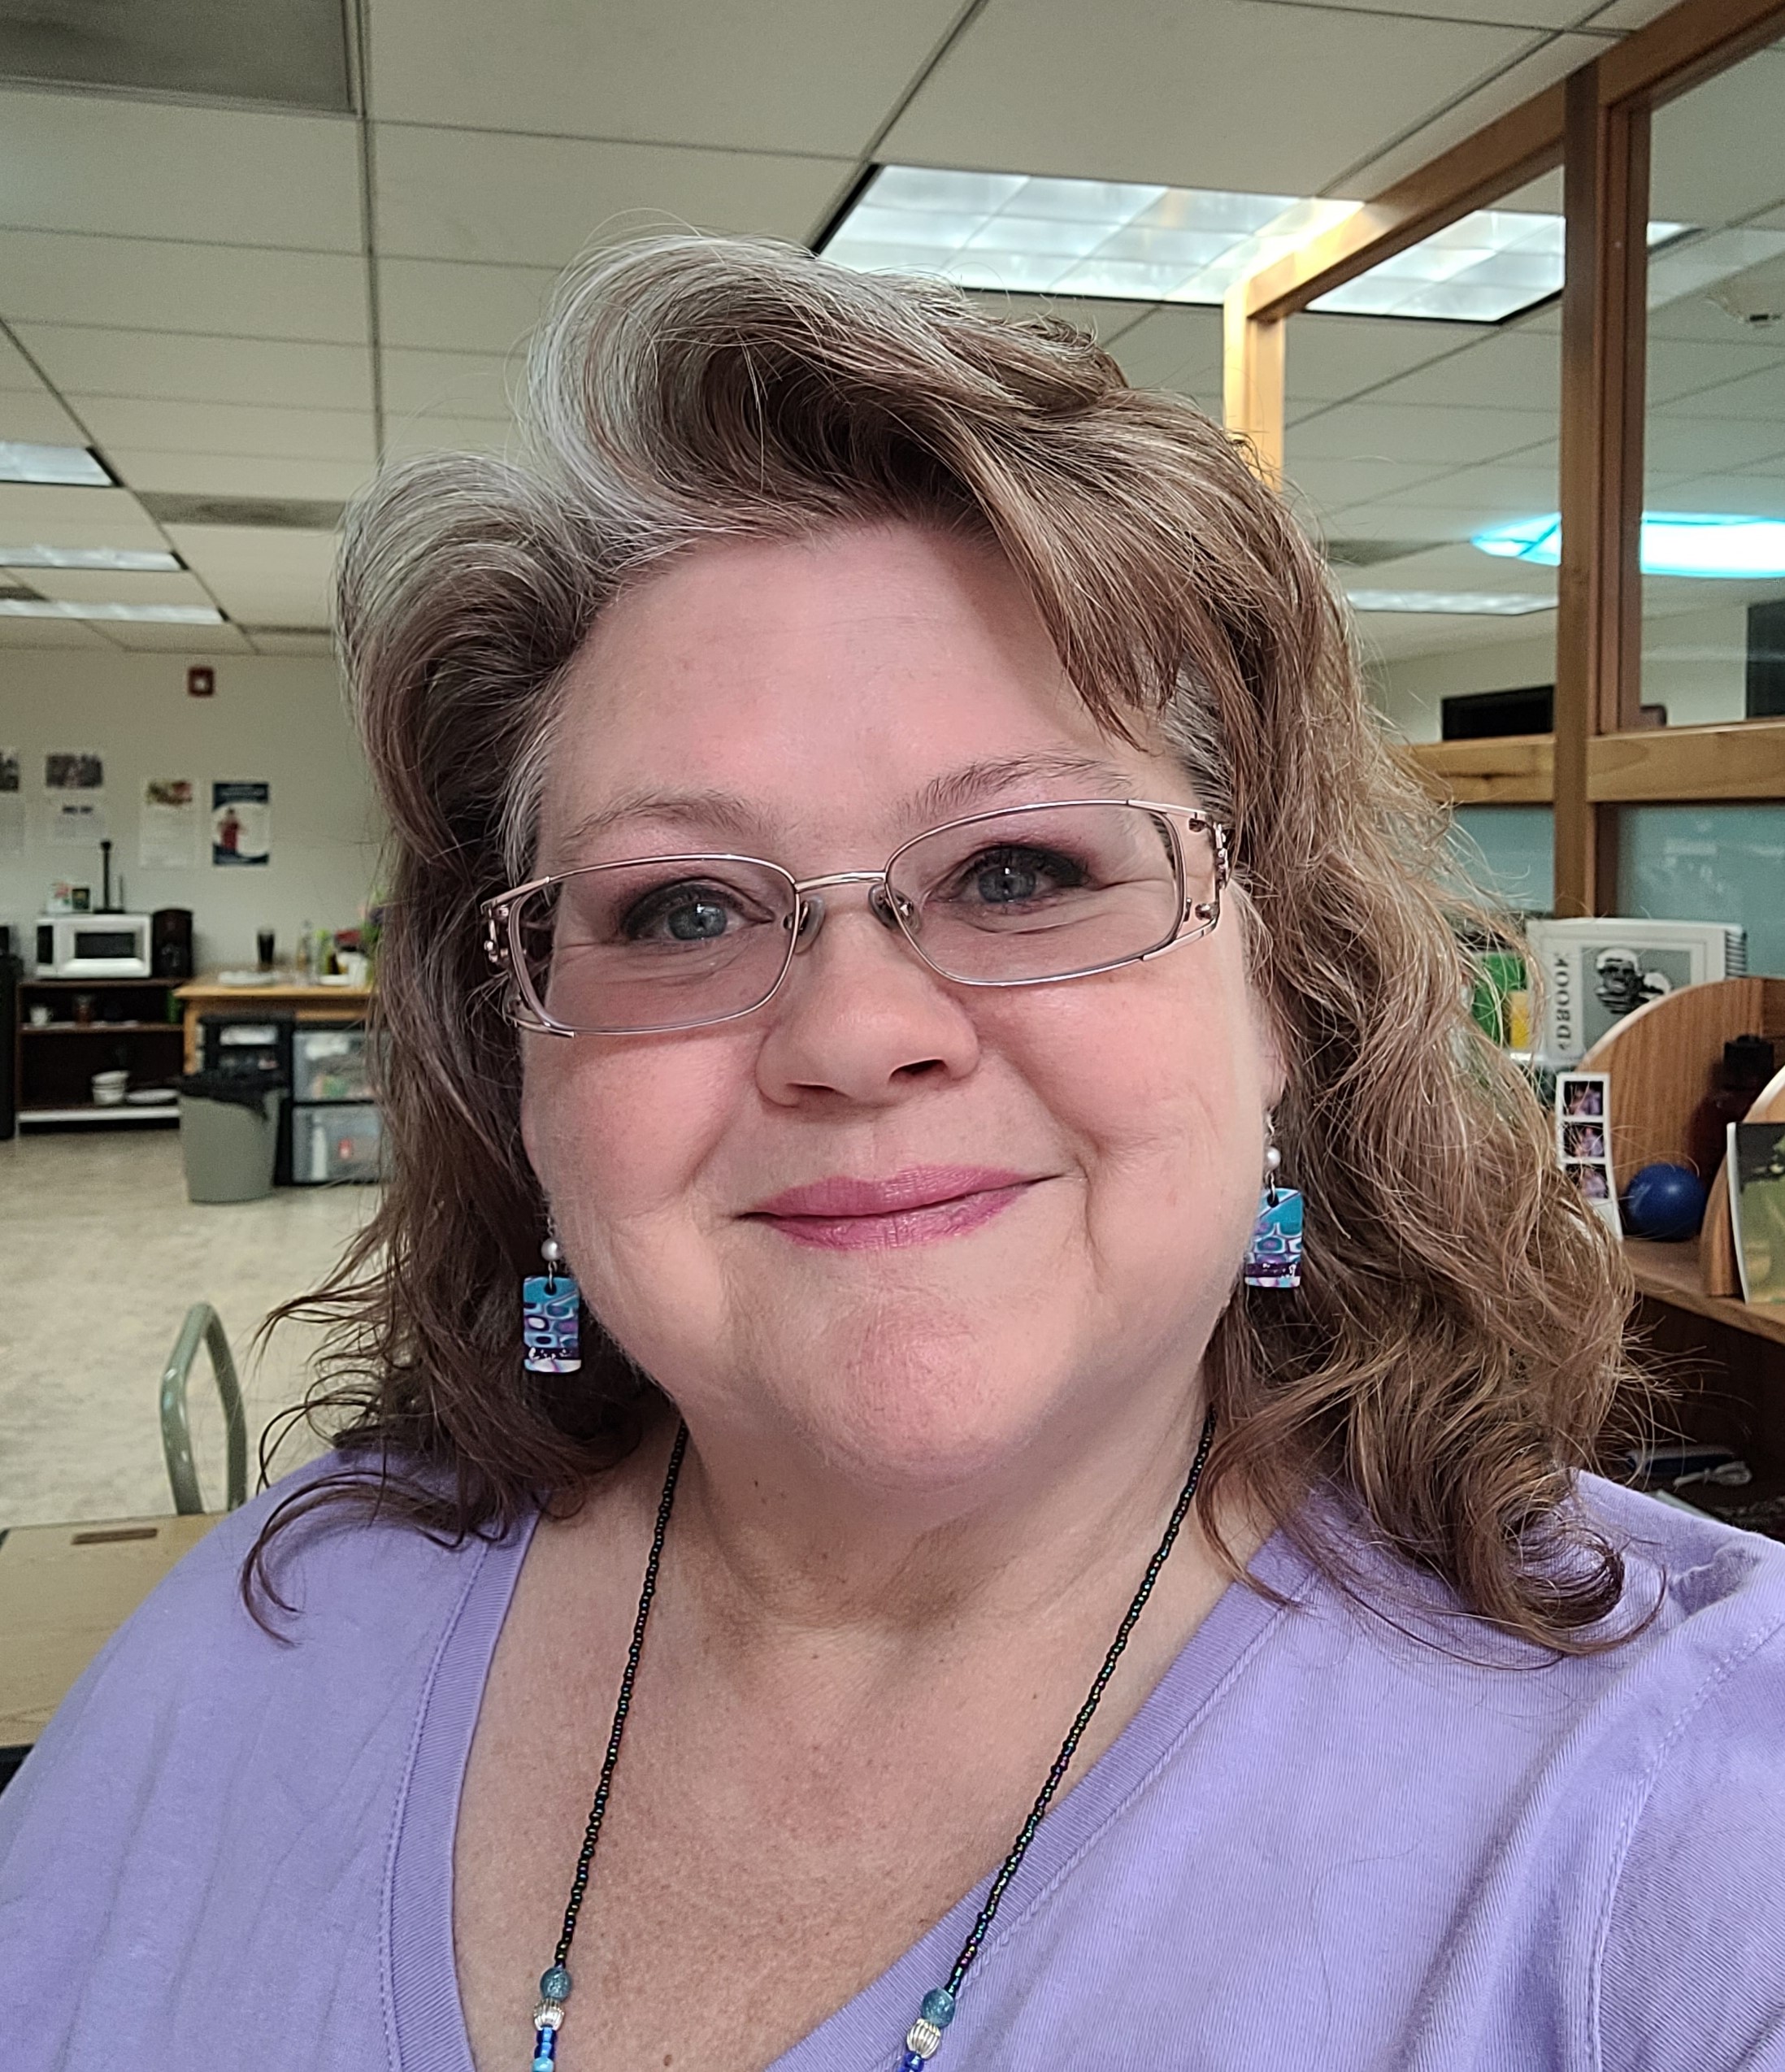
[[551, 1309], [1274, 1257]]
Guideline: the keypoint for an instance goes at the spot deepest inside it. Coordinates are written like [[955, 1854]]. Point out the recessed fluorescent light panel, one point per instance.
[[1089, 237], [20, 462], [1460, 604], [153, 615], [1487, 267], [113, 557], [1674, 543]]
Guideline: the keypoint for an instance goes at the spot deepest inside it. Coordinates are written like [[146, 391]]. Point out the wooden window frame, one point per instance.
[[1596, 125]]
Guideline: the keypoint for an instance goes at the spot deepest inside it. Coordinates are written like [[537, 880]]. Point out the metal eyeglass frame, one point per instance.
[[526, 1011]]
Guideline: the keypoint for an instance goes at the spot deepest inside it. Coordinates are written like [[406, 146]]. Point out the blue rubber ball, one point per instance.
[[1664, 1200]]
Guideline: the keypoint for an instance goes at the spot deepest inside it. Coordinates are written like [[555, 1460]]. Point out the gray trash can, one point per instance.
[[228, 1135]]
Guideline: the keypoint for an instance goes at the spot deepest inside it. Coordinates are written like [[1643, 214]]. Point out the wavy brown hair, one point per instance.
[[1455, 1349]]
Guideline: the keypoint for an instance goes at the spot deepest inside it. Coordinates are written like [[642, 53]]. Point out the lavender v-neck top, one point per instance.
[[1319, 1843]]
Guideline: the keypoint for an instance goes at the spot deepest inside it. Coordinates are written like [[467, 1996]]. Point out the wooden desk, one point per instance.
[[65, 1590], [1675, 1273], [314, 1003]]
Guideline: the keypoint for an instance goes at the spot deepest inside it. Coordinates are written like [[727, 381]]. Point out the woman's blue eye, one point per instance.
[[678, 914], [1011, 877]]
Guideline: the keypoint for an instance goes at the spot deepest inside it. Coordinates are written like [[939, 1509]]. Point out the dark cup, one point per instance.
[[265, 945]]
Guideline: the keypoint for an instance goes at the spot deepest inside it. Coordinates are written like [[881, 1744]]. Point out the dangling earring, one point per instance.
[[1274, 1257], [551, 1304]]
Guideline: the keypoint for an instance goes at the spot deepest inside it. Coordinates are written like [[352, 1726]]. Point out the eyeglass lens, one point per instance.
[[664, 944]]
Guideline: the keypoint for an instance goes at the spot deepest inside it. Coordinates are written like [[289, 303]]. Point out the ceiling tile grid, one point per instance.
[[243, 301]]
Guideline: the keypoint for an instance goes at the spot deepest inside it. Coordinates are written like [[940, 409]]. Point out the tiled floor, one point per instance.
[[101, 1254]]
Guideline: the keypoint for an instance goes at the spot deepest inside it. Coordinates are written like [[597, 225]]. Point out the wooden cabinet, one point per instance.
[[71, 1029]]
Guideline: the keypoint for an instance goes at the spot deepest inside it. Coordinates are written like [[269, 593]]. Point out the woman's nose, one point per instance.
[[860, 1015]]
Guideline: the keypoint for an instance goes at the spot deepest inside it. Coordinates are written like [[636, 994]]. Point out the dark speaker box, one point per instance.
[[170, 940]]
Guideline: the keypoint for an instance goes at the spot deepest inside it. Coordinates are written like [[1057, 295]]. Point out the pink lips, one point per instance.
[[910, 1208]]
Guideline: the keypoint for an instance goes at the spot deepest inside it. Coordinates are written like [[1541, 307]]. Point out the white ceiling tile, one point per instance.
[[1329, 485], [1427, 434], [1718, 153], [1676, 447], [767, 75], [1736, 494], [1695, 318], [1758, 392], [1327, 357], [1105, 321], [455, 384], [1469, 499], [317, 643], [155, 284], [238, 474], [52, 633], [432, 432], [1549, 61], [42, 512], [1504, 14], [260, 577], [451, 307], [1268, 100], [17, 375], [1506, 370], [227, 428], [536, 201], [1178, 348], [115, 586], [1625, 15], [39, 420], [137, 637], [171, 367], [153, 169]]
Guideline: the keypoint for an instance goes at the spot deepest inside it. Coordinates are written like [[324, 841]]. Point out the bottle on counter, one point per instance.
[[306, 965], [1748, 1063]]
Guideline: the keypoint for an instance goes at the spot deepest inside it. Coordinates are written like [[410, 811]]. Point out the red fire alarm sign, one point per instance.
[[201, 682]]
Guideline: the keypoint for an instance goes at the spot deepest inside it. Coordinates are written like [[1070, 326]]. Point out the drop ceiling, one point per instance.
[[241, 302]]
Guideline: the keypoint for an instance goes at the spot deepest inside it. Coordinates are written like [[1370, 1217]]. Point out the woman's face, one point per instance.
[[822, 686]]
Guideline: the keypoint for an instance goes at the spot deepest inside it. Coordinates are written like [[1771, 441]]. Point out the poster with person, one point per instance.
[[241, 822]]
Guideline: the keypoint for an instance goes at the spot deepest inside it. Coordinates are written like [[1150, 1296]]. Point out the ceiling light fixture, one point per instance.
[[163, 615], [1674, 543], [112, 557], [1103, 239], [21, 461], [1460, 604], [1487, 267]]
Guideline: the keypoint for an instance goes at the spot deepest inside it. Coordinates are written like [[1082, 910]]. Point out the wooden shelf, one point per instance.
[[94, 1029], [1672, 1273], [1512, 770], [90, 1111]]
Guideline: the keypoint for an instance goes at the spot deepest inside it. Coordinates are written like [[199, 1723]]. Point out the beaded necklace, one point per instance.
[[937, 2011]]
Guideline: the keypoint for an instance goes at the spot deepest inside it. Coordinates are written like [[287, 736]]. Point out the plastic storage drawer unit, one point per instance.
[[336, 1141]]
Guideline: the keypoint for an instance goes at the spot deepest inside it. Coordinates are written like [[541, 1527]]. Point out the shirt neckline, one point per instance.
[[424, 2020]]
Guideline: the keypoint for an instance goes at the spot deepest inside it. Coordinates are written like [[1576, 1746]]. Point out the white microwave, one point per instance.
[[94, 946]]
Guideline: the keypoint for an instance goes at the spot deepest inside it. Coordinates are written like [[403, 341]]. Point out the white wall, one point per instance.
[[1694, 663], [279, 718]]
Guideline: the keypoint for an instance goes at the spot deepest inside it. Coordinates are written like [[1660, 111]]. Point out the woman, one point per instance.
[[892, 876]]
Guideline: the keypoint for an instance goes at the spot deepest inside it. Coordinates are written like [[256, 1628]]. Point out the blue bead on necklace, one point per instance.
[[923, 2039]]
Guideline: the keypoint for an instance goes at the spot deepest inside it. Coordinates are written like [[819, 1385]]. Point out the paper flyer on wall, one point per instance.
[[74, 790], [241, 822], [167, 832], [11, 805]]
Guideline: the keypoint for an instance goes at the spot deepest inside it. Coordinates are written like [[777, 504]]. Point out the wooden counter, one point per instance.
[[307, 1001]]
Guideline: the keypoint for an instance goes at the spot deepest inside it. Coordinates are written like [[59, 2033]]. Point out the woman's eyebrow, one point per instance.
[[957, 793]]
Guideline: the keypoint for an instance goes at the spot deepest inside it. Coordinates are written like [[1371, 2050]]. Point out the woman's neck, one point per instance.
[[784, 1549]]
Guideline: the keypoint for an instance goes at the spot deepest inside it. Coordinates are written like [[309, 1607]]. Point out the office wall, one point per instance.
[[281, 718], [1694, 663]]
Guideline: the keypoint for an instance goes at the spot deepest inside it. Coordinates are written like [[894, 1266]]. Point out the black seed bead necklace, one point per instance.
[[924, 2038]]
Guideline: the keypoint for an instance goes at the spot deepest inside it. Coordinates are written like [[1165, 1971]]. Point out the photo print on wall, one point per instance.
[[240, 822]]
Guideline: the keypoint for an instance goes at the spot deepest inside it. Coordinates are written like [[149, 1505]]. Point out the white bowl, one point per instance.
[[109, 1088]]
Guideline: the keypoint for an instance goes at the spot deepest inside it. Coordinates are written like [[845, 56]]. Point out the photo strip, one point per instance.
[[1584, 1141]]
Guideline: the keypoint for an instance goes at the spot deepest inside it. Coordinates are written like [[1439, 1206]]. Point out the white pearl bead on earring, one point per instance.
[[1273, 1158]]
